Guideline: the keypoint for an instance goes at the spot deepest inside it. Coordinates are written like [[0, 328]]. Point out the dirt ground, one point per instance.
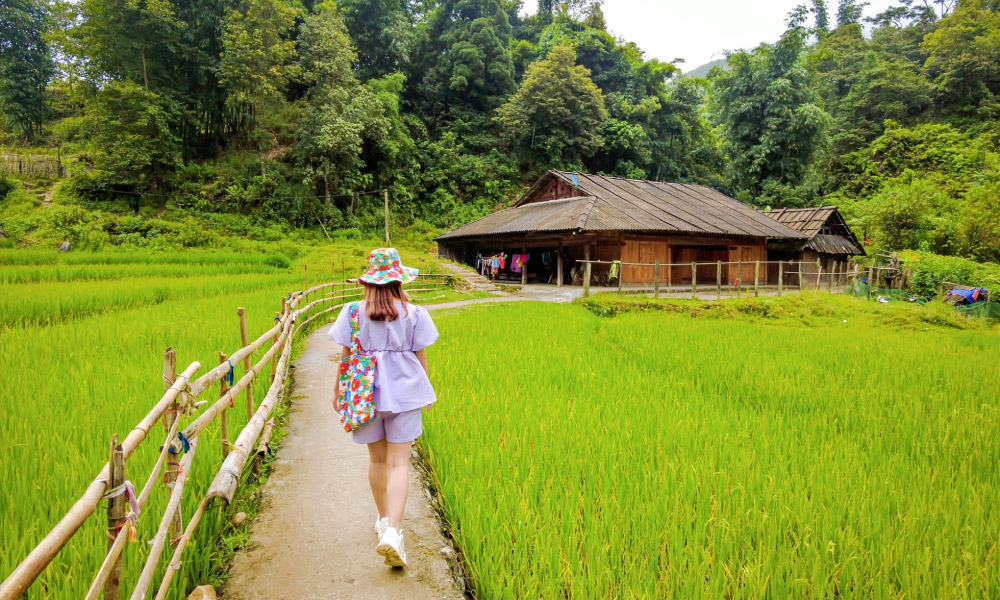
[[315, 536]]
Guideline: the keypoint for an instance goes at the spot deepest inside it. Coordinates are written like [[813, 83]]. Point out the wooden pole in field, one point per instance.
[[870, 283], [246, 361], [781, 276], [172, 414], [718, 280], [800, 275], [819, 274], [305, 269], [739, 277], [621, 275], [586, 271], [116, 517], [756, 278], [694, 280], [829, 284], [224, 416], [656, 279], [385, 194]]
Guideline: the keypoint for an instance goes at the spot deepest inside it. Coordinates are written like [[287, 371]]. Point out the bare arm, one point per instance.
[[344, 353], [422, 357]]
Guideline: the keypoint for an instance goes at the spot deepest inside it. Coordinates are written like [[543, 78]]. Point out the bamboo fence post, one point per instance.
[[224, 416], [524, 269], [274, 340], [756, 278], [800, 275], [587, 271], [656, 279], [781, 276], [305, 269], [870, 283], [169, 375], [829, 284], [819, 275], [621, 275], [819, 265], [559, 266], [169, 416], [246, 361], [718, 280], [116, 517], [739, 276]]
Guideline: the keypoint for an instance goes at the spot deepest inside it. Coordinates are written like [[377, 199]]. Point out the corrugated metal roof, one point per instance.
[[811, 222], [619, 204]]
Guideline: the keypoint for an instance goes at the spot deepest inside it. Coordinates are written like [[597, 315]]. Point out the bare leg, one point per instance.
[[378, 474], [399, 476]]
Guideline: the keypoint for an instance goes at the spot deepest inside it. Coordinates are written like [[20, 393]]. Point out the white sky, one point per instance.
[[700, 31]]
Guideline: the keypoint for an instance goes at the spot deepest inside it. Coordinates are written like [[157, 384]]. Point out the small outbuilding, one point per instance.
[[831, 243], [569, 217]]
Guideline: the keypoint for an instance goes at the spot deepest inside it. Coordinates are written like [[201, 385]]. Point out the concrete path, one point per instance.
[[315, 537]]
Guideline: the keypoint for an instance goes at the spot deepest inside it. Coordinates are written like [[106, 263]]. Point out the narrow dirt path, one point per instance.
[[315, 536]]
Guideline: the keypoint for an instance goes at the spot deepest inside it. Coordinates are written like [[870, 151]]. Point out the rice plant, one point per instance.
[[656, 455]]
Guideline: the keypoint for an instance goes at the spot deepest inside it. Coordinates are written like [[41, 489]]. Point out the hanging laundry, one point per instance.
[[615, 268]]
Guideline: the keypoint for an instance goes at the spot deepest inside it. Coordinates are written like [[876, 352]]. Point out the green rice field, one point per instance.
[[81, 351], [775, 449]]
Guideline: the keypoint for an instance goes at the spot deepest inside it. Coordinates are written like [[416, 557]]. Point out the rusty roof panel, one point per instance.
[[618, 204]]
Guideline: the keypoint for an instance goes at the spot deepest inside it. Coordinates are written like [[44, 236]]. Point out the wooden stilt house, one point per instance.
[[565, 218]]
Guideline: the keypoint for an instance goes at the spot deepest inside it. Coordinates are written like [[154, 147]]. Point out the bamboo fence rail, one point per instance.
[[178, 401]]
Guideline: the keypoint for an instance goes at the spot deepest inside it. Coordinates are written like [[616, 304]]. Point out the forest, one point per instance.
[[298, 112]]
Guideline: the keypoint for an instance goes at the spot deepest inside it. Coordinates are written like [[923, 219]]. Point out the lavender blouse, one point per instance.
[[400, 381]]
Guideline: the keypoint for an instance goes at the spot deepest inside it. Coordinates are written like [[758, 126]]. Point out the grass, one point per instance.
[[80, 360], [758, 449]]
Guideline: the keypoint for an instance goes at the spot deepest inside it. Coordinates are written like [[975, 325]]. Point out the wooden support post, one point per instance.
[[781, 276], [829, 284], [524, 269], [819, 275], [586, 271], [756, 278], [870, 283], [621, 275], [116, 516], [739, 277], [385, 194], [172, 414], [694, 280], [224, 415], [559, 265], [800, 275], [656, 279], [819, 265], [246, 361], [718, 280]]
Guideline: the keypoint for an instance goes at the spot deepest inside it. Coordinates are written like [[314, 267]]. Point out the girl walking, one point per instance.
[[396, 333]]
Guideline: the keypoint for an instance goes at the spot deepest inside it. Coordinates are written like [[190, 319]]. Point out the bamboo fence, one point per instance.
[[732, 283], [179, 402]]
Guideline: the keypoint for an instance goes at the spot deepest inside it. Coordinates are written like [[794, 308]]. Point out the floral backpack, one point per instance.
[[357, 381]]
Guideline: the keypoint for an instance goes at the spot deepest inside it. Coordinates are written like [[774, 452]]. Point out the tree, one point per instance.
[[25, 66], [554, 116], [256, 51], [771, 123], [462, 65], [822, 17], [981, 222], [964, 59], [849, 12], [382, 32], [340, 111]]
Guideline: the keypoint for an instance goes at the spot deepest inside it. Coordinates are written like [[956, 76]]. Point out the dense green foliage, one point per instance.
[[641, 457], [303, 112]]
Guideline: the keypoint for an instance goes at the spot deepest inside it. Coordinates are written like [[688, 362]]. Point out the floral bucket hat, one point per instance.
[[384, 267]]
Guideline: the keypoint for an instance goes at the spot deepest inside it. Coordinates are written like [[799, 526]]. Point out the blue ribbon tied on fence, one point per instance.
[[231, 375]]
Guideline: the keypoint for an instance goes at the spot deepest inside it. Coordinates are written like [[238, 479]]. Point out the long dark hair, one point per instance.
[[380, 300]]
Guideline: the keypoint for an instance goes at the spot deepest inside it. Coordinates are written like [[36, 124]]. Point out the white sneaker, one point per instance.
[[380, 526], [390, 546]]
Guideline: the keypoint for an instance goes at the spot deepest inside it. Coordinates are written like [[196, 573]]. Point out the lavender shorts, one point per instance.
[[397, 428]]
